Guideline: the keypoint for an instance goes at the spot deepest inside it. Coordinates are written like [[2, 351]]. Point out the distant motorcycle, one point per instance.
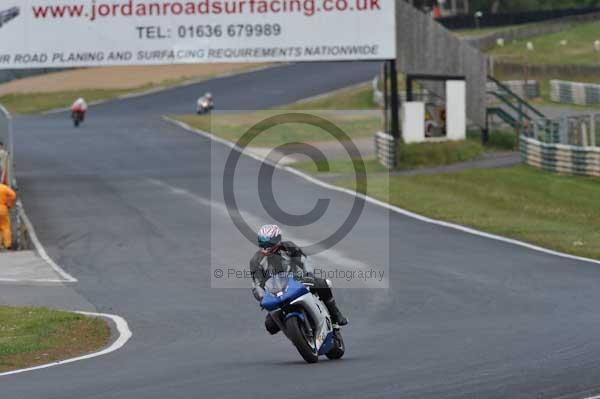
[[78, 117], [303, 318], [204, 104], [78, 110]]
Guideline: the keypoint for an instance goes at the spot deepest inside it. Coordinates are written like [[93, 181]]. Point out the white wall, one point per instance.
[[456, 110], [413, 122]]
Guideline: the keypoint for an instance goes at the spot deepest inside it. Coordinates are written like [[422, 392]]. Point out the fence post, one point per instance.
[[592, 130]]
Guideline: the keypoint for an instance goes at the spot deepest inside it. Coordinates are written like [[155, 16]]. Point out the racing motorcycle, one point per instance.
[[78, 117], [303, 318], [204, 105]]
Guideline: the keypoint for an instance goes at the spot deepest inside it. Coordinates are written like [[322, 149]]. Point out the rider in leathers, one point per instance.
[[276, 256]]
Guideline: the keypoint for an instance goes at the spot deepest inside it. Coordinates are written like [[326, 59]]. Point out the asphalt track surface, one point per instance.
[[124, 204]]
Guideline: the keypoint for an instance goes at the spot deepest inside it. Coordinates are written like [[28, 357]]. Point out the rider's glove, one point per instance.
[[308, 280], [258, 293]]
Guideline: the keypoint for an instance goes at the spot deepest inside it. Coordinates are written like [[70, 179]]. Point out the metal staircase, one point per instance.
[[511, 108]]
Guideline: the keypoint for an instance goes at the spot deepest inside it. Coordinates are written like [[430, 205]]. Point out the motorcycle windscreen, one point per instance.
[[281, 289]]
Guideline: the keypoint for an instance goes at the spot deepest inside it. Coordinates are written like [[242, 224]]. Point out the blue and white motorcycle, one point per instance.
[[303, 318]]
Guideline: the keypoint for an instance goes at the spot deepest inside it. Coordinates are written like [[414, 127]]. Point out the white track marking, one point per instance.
[[160, 89], [31, 281], [66, 277], [124, 336], [374, 201]]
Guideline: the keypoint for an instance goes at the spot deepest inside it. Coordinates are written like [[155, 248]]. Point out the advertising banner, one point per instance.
[[71, 33]]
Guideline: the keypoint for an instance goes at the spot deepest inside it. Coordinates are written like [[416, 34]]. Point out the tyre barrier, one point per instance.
[[561, 158], [566, 92], [385, 149]]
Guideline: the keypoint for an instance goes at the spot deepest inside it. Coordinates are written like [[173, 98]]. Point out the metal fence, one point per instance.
[[575, 130], [6, 138]]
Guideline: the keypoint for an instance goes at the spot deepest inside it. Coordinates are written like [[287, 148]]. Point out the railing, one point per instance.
[[6, 137], [575, 130], [505, 94]]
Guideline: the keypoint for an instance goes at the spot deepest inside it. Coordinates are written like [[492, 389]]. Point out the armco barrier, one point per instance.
[[385, 149], [6, 138], [574, 93], [561, 158]]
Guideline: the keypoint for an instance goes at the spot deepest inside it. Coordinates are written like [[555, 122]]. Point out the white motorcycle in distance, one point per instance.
[[205, 104], [303, 318]]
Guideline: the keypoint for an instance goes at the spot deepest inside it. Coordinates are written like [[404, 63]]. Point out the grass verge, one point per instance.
[[499, 140], [557, 212], [481, 32], [232, 126], [360, 97], [42, 93], [438, 154], [34, 336], [40, 102], [577, 50], [338, 166]]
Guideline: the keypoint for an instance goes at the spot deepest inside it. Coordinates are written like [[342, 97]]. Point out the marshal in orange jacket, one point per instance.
[[7, 201]]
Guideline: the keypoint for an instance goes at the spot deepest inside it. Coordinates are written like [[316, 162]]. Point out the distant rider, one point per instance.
[[276, 256], [79, 107], [209, 99]]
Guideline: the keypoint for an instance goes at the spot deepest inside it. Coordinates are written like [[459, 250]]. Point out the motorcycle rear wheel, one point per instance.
[[296, 334]]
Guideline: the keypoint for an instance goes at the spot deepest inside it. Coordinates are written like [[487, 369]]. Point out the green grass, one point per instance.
[[32, 103], [419, 155], [355, 98], [437, 154], [558, 212], [338, 166], [41, 102], [30, 336], [548, 51], [485, 31], [232, 126], [500, 140]]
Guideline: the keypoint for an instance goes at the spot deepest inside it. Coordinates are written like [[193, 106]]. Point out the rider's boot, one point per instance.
[[336, 315]]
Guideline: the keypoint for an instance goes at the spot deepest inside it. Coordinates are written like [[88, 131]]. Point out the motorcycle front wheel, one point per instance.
[[338, 349], [301, 341]]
